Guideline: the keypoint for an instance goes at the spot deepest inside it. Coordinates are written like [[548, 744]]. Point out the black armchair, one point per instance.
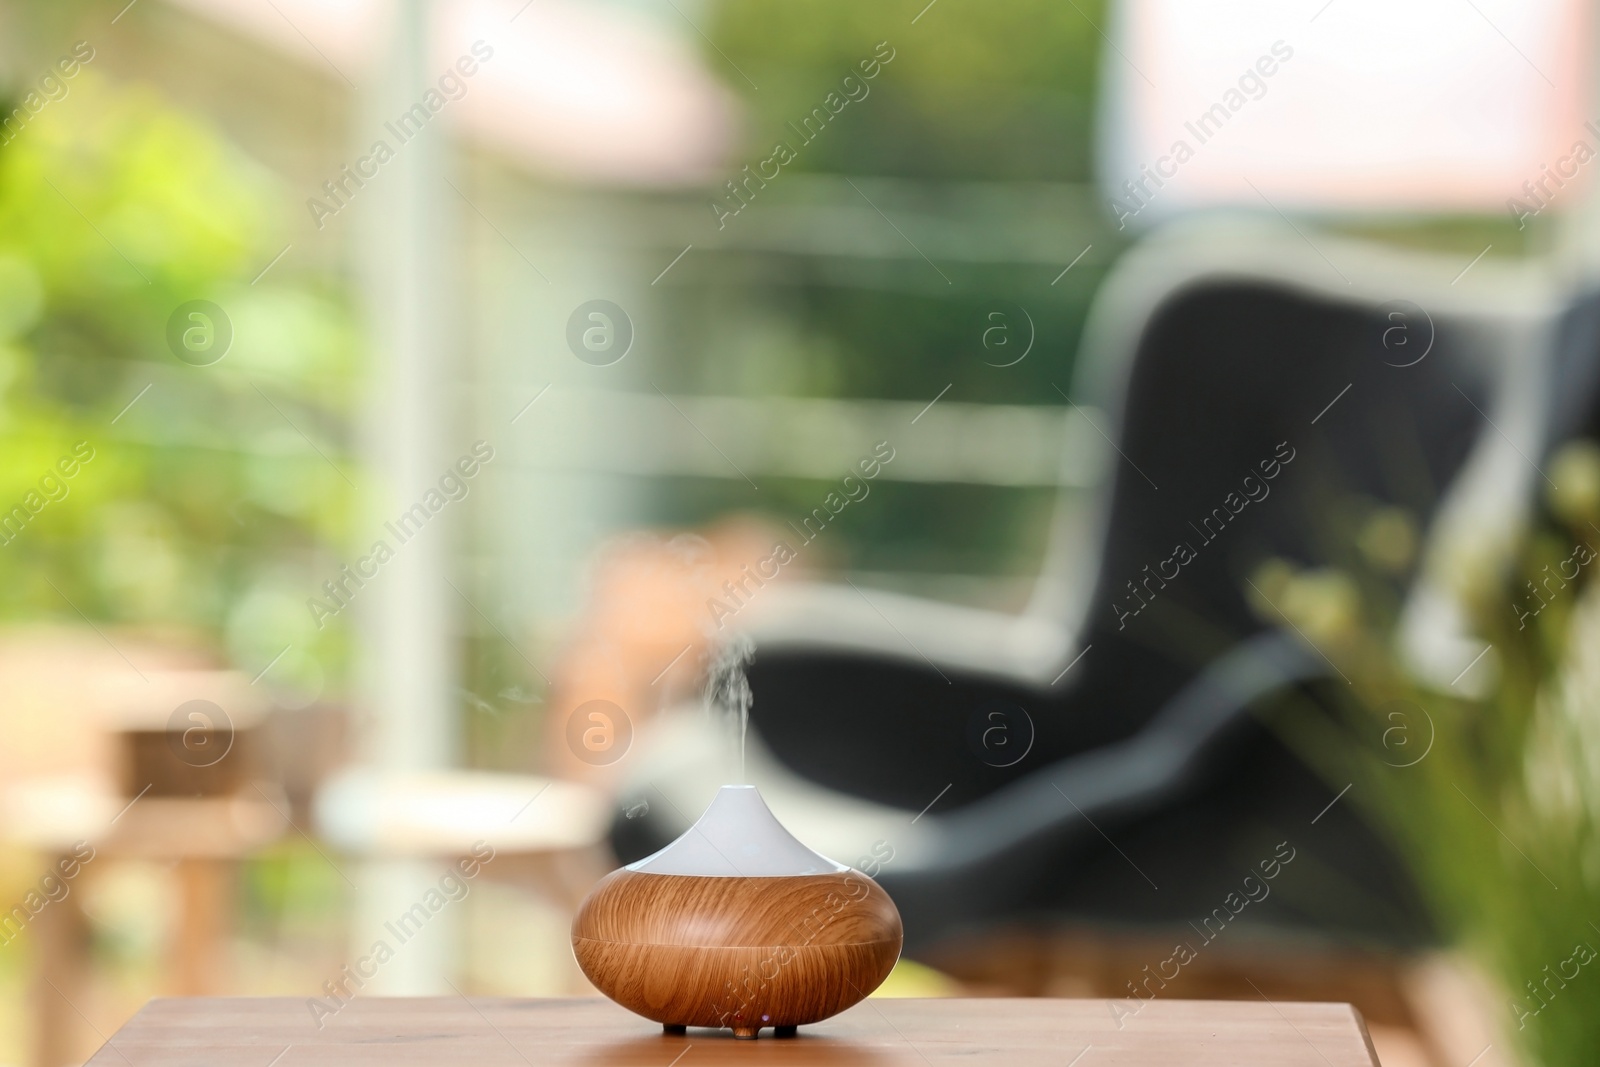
[[1257, 404]]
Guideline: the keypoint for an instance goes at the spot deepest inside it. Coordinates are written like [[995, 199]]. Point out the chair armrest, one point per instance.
[[827, 617]]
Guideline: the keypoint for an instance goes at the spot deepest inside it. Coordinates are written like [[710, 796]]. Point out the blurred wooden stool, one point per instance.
[[182, 792], [203, 839]]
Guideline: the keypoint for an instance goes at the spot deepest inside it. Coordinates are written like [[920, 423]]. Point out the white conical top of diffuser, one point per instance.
[[737, 837]]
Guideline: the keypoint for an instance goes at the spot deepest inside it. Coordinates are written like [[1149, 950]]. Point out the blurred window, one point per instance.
[[1429, 105]]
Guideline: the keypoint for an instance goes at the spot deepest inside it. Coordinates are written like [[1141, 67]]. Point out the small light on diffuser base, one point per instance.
[[736, 925]]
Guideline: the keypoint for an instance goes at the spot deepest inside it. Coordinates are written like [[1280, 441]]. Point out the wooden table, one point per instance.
[[504, 1032]]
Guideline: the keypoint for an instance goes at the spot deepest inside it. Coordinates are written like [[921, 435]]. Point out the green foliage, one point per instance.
[[1489, 787], [201, 500], [975, 90]]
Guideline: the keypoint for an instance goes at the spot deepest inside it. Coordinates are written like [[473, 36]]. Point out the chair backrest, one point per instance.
[[1261, 406]]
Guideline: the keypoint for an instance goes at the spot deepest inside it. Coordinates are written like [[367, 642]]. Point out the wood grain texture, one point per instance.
[[590, 1032], [744, 953]]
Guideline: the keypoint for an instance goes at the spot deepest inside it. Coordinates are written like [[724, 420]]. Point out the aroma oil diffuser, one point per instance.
[[736, 924]]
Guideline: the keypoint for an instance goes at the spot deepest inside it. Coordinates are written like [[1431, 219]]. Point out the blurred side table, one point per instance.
[[202, 838], [545, 832]]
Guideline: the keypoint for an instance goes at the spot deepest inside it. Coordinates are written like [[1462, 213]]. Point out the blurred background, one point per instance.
[[405, 404]]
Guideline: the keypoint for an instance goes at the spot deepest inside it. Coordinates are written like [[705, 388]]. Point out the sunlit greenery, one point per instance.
[[1490, 786], [974, 91], [206, 500]]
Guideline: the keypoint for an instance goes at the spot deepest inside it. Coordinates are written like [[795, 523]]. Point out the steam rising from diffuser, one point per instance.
[[728, 693]]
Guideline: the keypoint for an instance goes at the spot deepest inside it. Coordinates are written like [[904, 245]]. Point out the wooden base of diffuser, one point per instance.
[[740, 953]]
